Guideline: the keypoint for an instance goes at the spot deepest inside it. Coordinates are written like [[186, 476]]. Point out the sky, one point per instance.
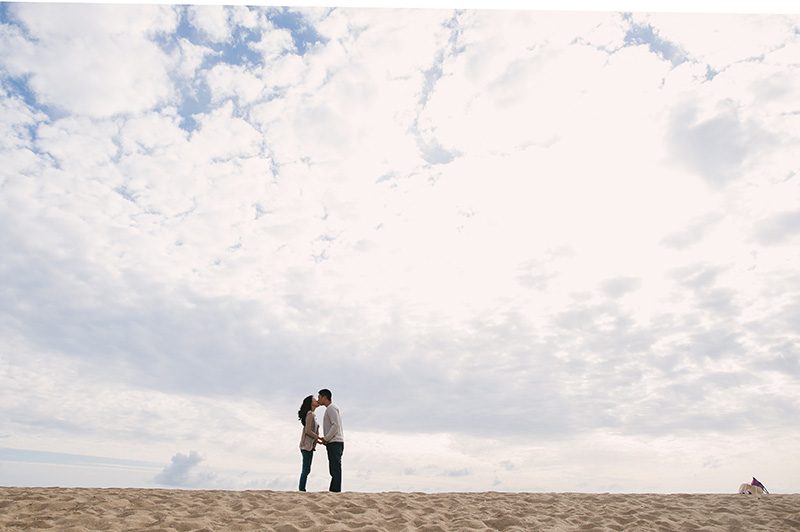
[[527, 250]]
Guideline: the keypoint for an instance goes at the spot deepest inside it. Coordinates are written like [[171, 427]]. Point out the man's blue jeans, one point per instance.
[[335, 452], [308, 456]]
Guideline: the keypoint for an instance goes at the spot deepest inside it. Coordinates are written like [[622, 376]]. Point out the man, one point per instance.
[[333, 438]]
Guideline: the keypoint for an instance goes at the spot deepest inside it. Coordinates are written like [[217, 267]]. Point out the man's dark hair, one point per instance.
[[327, 393]]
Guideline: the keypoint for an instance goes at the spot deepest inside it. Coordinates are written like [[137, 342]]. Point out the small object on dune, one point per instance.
[[754, 488]]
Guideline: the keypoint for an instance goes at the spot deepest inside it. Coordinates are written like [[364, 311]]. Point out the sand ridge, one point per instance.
[[156, 510]]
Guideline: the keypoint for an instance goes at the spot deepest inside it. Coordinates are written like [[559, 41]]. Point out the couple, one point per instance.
[[333, 439]]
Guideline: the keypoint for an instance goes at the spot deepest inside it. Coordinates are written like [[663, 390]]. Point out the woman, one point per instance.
[[308, 441]]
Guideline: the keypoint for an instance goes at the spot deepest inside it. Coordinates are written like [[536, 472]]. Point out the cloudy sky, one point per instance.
[[527, 250]]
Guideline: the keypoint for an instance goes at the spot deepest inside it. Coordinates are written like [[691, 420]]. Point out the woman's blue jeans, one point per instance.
[[308, 456]]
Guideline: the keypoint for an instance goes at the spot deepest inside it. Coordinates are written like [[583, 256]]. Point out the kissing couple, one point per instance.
[[333, 438]]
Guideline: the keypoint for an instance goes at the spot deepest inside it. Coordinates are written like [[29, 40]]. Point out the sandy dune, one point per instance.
[[78, 510]]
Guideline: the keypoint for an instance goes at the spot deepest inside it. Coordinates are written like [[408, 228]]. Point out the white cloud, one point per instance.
[[212, 21], [715, 148], [78, 145], [284, 70], [227, 81], [16, 145], [222, 135], [191, 57], [244, 17], [96, 65], [778, 228], [274, 42], [526, 250], [179, 471]]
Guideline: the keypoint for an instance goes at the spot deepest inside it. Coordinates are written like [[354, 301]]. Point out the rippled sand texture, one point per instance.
[[78, 510]]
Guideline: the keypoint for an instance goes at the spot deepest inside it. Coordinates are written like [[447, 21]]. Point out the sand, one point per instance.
[[78, 510]]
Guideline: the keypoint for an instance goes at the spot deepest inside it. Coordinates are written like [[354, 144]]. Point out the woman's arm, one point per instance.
[[310, 425]]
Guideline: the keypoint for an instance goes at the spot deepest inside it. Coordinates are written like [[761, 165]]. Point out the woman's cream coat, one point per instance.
[[308, 440]]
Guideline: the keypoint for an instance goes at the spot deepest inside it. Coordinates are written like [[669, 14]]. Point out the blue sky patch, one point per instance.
[[640, 34]]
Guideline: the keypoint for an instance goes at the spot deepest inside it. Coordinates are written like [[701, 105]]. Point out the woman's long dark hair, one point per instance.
[[304, 409]]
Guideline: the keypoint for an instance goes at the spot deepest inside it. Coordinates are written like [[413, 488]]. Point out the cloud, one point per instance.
[[491, 234], [211, 21], [274, 43], [18, 455], [227, 81], [702, 281], [620, 286], [715, 344], [456, 473], [181, 471], [508, 465], [96, 62], [777, 228], [694, 233], [16, 147], [715, 148]]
